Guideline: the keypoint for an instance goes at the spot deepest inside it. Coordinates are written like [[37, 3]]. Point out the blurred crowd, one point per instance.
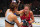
[[34, 6]]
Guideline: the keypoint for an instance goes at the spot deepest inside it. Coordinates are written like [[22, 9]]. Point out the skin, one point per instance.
[[12, 17]]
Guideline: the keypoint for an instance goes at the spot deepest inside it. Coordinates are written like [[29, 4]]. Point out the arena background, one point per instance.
[[35, 7]]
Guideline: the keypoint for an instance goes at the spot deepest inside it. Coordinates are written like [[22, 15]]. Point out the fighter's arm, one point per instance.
[[16, 21], [19, 12], [32, 17]]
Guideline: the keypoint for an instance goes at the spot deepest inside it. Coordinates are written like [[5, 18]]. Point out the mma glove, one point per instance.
[[25, 23]]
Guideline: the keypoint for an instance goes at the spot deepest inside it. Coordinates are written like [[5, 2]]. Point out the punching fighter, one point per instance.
[[10, 17]]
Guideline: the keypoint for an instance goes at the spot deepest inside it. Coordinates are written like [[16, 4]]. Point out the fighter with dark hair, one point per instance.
[[10, 17]]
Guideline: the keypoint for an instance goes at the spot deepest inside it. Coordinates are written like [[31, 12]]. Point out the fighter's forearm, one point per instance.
[[18, 12], [20, 24], [31, 21]]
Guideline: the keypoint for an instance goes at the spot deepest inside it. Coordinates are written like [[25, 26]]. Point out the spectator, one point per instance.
[[0, 13]]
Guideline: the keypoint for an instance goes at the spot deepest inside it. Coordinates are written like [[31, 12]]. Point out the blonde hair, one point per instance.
[[27, 5]]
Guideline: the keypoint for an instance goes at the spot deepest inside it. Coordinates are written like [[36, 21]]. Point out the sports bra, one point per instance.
[[6, 19]]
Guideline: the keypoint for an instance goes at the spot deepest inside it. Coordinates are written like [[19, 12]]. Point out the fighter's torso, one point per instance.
[[25, 17]]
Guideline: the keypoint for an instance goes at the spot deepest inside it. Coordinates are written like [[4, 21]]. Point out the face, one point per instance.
[[26, 9]]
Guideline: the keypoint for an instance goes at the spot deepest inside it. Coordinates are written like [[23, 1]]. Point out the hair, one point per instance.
[[27, 5], [12, 6]]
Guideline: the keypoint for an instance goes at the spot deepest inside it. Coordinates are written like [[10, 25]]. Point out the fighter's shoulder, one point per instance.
[[31, 12], [12, 15]]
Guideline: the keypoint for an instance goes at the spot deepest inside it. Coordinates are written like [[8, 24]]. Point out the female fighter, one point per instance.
[[10, 17], [26, 15]]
